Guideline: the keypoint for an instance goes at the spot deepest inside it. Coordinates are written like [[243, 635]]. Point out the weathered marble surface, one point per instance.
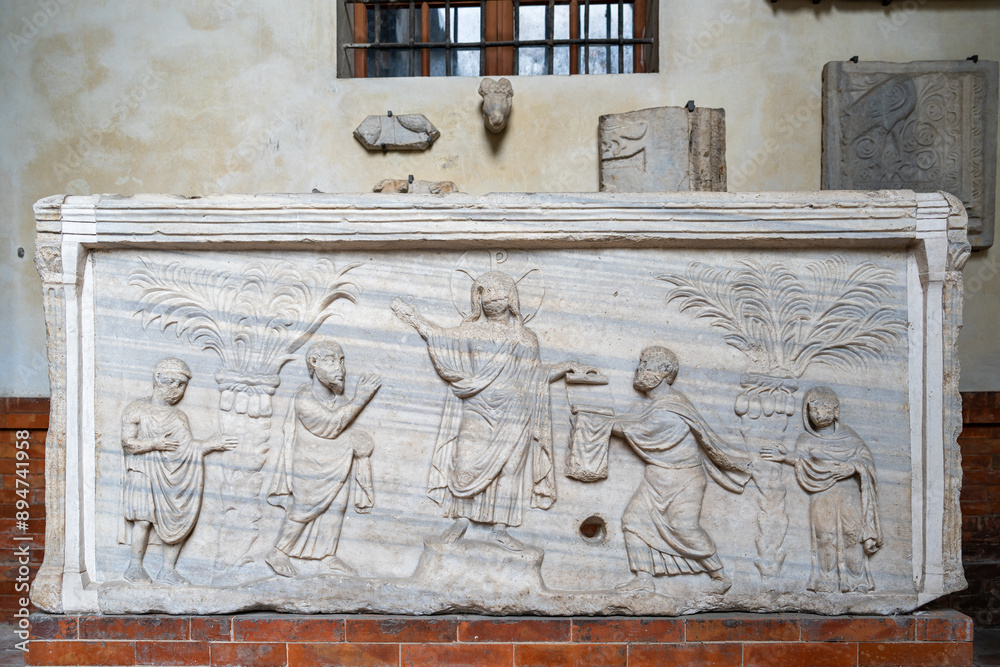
[[498, 98], [414, 187], [501, 325], [923, 126], [406, 132], [665, 149]]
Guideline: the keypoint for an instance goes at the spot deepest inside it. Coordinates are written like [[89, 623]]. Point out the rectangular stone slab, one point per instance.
[[198, 402], [925, 126], [663, 149]]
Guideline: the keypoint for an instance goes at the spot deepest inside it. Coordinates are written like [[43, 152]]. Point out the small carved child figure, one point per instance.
[[164, 471], [833, 464], [312, 481]]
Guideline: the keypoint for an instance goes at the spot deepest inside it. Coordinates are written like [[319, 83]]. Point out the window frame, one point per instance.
[[499, 41]]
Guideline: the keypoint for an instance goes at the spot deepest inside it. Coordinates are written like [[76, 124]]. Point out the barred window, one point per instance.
[[497, 37]]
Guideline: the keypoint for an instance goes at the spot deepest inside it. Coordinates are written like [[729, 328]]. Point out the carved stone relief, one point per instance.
[[784, 324], [497, 427], [924, 126], [418, 187], [664, 149], [312, 481], [408, 132], [635, 469], [253, 320], [163, 473], [498, 97], [835, 466]]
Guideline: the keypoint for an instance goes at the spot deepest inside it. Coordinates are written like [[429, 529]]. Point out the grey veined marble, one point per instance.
[[921, 126], [509, 404]]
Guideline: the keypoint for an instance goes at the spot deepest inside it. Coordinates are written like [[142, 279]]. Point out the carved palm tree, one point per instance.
[[783, 324], [254, 320]]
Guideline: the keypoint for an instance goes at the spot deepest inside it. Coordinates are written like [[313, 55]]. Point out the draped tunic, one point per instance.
[[662, 521], [838, 471], [312, 479], [163, 487], [496, 423]]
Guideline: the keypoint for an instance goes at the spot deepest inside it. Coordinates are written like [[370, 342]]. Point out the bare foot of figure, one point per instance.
[[500, 535], [455, 532], [640, 582], [339, 566], [136, 574], [173, 578], [720, 581], [280, 563]]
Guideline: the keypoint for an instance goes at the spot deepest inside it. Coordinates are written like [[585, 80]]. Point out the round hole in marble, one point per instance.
[[593, 529]]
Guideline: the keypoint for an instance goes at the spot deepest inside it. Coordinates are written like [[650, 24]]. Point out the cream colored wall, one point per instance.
[[206, 96]]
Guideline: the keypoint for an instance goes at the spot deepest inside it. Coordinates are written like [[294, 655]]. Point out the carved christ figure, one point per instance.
[[833, 464], [312, 480], [662, 521], [496, 425], [164, 472]]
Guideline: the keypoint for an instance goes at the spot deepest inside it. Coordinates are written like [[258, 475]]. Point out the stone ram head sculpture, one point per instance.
[[497, 98]]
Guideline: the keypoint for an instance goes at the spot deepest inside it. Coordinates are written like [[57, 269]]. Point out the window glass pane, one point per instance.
[[437, 34], [465, 62], [603, 58], [393, 26], [465, 24], [560, 64], [531, 26]]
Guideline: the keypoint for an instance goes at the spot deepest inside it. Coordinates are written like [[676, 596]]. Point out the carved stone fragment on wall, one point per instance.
[[414, 187], [663, 149], [923, 126], [497, 97], [407, 132]]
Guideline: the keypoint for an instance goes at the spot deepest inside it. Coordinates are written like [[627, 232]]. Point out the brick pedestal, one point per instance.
[[274, 640]]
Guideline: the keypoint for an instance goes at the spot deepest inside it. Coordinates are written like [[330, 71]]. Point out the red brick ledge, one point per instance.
[[940, 637]]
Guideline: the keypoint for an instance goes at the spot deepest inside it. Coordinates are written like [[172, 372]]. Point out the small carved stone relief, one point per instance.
[[496, 426], [313, 477], [163, 473], [254, 320], [663, 532], [403, 185], [589, 399], [923, 126], [409, 132], [663, 149], [498, 96], [833, 464], [784, 324]]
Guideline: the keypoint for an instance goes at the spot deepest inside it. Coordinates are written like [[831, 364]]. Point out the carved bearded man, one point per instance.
[[662, 521], [164, 471], [313, 477], [496, 425]]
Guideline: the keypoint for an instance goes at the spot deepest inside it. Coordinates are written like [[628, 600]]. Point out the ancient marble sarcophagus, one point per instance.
[[510, 404]]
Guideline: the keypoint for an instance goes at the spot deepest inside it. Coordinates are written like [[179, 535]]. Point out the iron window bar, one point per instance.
[[549, 43]]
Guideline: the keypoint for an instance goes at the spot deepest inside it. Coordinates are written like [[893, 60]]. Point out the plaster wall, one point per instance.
[[196, 97]]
